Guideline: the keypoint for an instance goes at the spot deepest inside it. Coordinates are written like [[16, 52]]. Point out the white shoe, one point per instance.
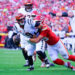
[[27, 63], [70, 66], [47, 65], [43, 64]]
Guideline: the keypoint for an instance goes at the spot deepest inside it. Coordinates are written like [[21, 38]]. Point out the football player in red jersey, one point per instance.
[[55, 45]]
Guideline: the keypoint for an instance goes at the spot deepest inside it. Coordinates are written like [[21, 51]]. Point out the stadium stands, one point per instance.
[[8, 10]]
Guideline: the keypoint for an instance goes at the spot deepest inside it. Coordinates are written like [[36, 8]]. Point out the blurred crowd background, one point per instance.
[[8, 11]]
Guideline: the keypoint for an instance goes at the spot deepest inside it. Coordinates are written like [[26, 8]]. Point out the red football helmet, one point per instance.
[[34, 13], [37, 21], [37, 18]]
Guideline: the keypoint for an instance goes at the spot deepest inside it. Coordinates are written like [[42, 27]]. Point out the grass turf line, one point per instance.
[[12, 61]]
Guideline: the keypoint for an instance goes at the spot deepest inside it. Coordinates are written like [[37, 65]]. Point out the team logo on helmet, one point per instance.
[[20, 16], [20, 19]]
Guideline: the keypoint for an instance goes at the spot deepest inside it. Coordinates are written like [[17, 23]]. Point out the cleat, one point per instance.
[[43, 64], [70, 66], [47, 65], [25, 65], [51, 64], [30, 69], [73, 68]]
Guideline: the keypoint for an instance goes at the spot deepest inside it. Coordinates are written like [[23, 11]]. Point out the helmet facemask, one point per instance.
[[21, 21], [28, 8]]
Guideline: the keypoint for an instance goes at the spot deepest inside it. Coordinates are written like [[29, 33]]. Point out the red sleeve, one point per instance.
[[43, 33]]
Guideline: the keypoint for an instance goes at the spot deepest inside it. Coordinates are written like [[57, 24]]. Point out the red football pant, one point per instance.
[[59, 61], [71, 57]]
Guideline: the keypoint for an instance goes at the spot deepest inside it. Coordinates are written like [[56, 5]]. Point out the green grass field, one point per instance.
[[12, 61]]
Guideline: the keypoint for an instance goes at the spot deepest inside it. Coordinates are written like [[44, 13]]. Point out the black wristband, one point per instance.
[[64, 14]]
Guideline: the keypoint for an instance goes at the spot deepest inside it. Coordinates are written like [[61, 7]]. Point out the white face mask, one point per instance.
[[28, 10]]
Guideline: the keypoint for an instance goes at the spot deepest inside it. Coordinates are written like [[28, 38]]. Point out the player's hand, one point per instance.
[[34, 36]]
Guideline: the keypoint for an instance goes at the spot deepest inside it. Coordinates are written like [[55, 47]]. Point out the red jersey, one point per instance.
[[49, 36]]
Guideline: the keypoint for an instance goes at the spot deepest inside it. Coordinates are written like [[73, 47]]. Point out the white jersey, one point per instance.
[[28, 27], [18, 29], [72, 21], [10, 33], [29, 46]]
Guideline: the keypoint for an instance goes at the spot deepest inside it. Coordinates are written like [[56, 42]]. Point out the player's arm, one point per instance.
[[37, 39], [62, 14]]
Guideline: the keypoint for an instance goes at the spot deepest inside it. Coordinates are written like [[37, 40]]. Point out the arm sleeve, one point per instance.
[[44, 33]]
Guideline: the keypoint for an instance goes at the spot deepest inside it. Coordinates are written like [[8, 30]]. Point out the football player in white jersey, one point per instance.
[[19, 29], [30, 47], [27, 9], [29, 29], [27, 47]]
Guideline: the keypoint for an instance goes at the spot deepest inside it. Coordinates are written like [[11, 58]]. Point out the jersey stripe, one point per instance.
[[65, 47]]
